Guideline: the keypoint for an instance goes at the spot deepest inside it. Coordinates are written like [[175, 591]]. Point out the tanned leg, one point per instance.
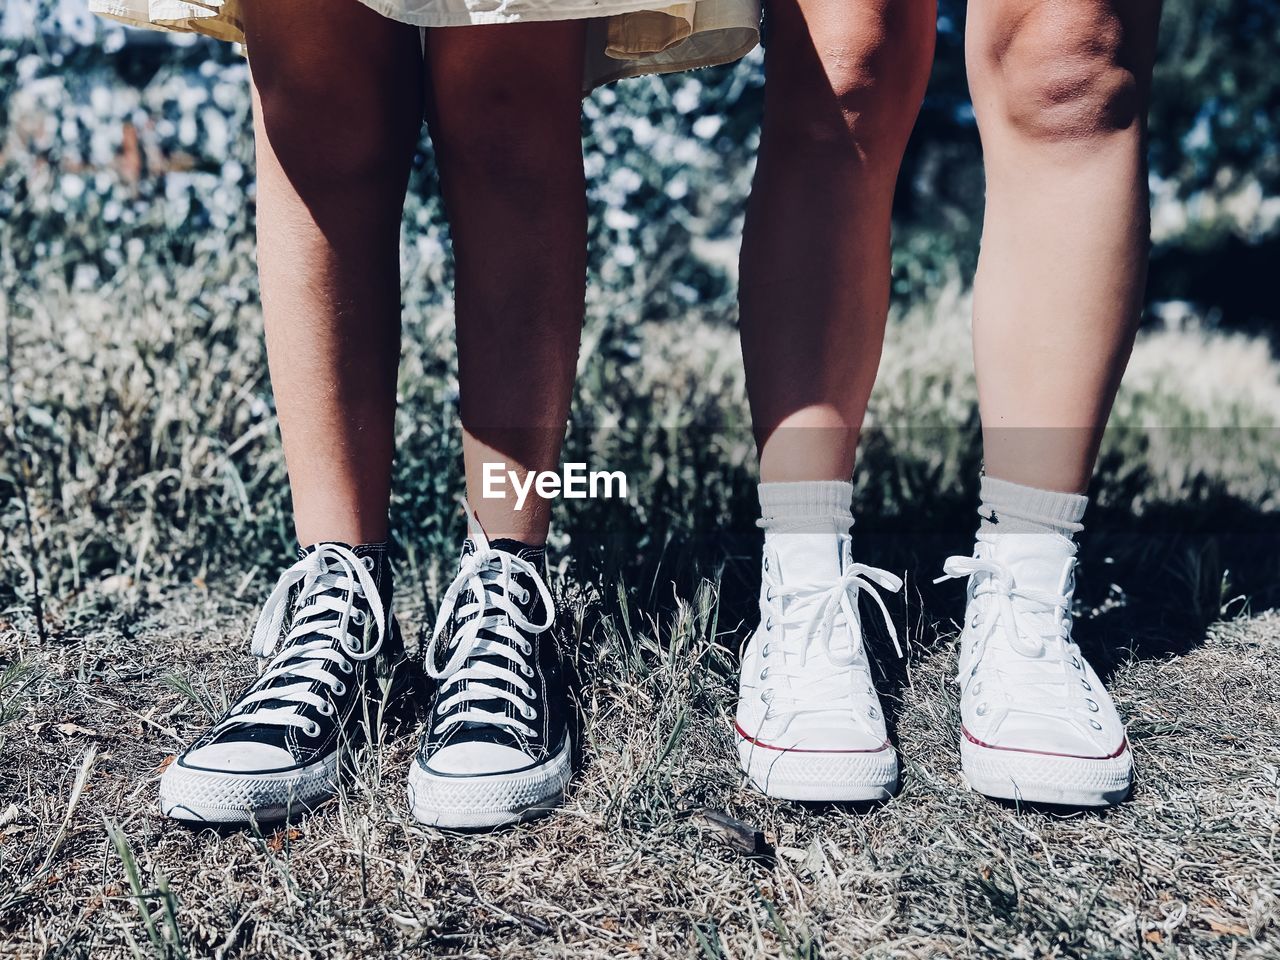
[[844, 82], [506, 125], [337, 112], [1060, 90]]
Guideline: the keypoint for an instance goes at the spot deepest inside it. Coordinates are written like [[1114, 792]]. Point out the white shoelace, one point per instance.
[[1033, 624], [818, 611], [330, 651], [488, 575]]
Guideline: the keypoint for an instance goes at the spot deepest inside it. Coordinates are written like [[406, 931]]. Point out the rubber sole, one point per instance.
[[818, 776], [472, 803], [197, 796], [1038, 778]]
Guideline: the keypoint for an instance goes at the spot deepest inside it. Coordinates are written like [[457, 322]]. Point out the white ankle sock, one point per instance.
[[803, 522], [1009, 507]]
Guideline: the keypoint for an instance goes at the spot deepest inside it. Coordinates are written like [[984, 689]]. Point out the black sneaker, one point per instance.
[[496, 748], [338, 666]]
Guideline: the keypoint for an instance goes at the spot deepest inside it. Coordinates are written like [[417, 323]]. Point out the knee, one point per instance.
[[852, 82], [1061, 73], [339, 130], [510, 135]]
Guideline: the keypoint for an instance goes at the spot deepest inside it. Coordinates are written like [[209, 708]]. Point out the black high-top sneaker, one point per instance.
[[337, 667], [496, 748]]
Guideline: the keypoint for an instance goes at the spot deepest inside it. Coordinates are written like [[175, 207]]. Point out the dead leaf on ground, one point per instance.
[[70, 729], [1228, 929], [278, 838]]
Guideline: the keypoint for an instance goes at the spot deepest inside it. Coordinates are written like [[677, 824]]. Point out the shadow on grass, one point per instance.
[[1148, 586], [1061, 811]]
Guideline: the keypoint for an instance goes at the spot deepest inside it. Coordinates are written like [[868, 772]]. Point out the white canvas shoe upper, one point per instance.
[[1024, 684], [805, 679]]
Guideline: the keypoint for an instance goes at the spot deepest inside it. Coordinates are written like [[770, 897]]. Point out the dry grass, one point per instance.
[[146, 447], [144, 443], [89, 869]]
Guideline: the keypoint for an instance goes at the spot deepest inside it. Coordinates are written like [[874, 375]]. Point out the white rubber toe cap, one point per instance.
[[836, 733], [477, 759], [240, 757]]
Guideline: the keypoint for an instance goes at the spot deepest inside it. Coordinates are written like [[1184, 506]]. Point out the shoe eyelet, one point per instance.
[[526, 648], [873, 713], [973, 622], [339, 688], [768, 624], [981, 710], [977, 688], [526, 670], [1095, 724], [529, 693], [312, 729], [766, 561], [1092, 705], [1075, 662], [326, 708], [346, 666], [1085, 683], [359, 617], [530, 713], [368, 563], [764, 651]]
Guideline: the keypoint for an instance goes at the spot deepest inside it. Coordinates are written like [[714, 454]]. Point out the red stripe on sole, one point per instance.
[[769, 746], [1124, 745]]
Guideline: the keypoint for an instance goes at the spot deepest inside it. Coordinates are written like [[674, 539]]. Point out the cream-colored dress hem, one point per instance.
[[628, 38]]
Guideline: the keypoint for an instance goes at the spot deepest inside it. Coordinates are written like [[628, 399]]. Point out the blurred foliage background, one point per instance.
[[140, 444], [169, 113]]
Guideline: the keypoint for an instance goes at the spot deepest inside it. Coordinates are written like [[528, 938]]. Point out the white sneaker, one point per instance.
[[1037, 723], [809, 722]]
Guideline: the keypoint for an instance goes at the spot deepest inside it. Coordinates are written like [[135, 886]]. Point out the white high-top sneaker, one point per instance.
[[809, 722], [1037, 724]]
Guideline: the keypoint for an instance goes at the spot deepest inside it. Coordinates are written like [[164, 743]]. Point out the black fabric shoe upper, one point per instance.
[[537, 723]]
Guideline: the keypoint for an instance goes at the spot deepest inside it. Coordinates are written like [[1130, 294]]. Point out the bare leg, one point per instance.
[[1061, 91], [844, 83], [333, 148], [506, 125]]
